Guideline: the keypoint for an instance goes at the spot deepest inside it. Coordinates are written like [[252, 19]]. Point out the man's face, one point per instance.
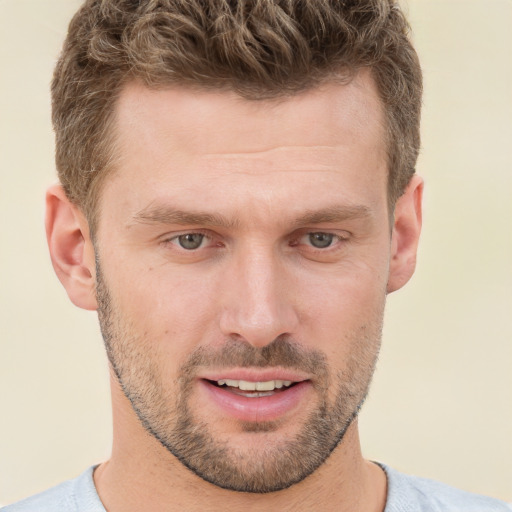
[[243, 256]]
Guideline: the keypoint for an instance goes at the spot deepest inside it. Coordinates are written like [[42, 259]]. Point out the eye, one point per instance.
[[190, 241], [321, 240]]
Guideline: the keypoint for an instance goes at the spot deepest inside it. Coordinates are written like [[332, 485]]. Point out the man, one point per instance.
[[238, 197]]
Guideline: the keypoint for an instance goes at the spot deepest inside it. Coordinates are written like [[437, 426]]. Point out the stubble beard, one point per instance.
[[265, 467]]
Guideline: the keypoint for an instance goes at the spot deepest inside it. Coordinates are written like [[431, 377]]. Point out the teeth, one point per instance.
[[245, 385], [266, 386]]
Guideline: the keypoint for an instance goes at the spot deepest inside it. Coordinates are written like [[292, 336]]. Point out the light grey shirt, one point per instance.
[[405, 494]]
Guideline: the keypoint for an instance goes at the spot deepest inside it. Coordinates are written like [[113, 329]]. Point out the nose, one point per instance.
[[257, 305]]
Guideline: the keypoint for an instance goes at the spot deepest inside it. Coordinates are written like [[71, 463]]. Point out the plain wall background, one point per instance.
[[441, 403]]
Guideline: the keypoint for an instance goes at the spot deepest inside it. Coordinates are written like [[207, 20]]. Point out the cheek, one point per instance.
[[170, 309], [347, 328], [348, 292], [346, 312]]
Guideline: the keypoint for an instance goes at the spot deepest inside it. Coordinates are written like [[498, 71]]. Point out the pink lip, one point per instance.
[[266, 408], [256, 375]]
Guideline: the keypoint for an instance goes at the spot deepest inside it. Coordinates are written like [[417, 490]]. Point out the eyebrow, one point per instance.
[[168, 215], [334, 214]]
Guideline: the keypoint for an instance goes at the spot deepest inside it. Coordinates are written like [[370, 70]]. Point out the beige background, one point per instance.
[[441, 404]]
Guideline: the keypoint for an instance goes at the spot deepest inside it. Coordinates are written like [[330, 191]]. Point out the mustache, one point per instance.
[[282, 352]]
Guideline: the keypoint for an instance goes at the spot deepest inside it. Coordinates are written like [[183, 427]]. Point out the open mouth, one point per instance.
[[253, 389], [255, 400]]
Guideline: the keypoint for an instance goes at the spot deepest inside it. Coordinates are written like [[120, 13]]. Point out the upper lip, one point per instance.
[[255, 374]]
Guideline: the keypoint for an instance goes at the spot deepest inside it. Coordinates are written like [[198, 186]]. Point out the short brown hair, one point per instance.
[[258, 48]]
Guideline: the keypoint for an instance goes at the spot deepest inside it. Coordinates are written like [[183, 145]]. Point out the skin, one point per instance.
[[271, 172]]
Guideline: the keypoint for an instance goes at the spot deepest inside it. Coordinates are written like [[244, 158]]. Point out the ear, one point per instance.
[[71, 248], [405, 236]]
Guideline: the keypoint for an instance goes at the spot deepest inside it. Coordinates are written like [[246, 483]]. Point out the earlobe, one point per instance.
[[405, 237], [71, 248]]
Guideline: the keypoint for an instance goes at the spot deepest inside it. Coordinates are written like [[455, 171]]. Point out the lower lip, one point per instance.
[[257, 409]]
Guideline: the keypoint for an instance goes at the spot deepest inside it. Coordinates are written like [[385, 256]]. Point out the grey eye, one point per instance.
[[191, 241], [321, 240]]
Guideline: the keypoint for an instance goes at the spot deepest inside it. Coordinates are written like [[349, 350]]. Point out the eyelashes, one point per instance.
[[189, 241], [314, 242], [321, 240]]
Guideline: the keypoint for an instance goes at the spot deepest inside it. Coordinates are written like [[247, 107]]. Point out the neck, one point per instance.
[[142, 475]]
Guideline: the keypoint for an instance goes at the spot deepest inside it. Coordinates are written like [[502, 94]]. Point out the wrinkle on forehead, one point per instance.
[[275, 149], [278, 159]]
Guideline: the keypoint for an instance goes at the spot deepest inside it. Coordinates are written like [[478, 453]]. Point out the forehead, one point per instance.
[[181, 146], [221, 122]]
